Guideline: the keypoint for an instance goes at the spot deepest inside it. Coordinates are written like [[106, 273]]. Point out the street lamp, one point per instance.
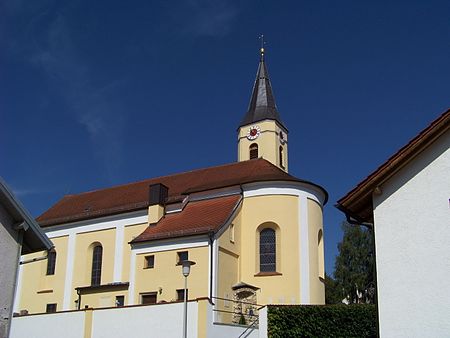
[[186, 269]]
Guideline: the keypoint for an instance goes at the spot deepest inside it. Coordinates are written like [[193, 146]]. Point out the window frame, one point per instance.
[[232, 233], [179, 253], [120, 301], [266, 267], [251, 151], [181, 292], [147, 294], [51, 263], [146, 262], [280, 154], [320, 255], [97, 262], [51, 308]]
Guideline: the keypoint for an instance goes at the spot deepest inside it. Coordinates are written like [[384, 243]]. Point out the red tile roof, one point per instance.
[[358, 202], [198, 217], [134, 196]]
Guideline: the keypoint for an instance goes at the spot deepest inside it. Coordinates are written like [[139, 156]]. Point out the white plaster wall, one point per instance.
[[55, 325], [412, 234], [218, 330], [227, 331], [165, 320], [9, 253], [263, 322], [162, 320]]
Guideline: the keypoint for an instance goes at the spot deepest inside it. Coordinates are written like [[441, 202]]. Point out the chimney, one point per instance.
[[157, 195]]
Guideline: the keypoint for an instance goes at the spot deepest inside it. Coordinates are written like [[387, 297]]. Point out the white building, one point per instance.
[[19, 234], [407, 199]]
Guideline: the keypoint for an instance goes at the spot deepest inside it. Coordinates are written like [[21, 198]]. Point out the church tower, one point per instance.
[[261, 132]]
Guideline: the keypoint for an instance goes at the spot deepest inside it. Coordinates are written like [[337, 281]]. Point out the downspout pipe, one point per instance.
[[211, 255]]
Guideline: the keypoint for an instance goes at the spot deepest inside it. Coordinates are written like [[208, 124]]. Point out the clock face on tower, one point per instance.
[[253, 132]]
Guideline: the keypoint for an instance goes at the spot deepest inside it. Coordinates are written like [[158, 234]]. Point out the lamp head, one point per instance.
[[186, 267]]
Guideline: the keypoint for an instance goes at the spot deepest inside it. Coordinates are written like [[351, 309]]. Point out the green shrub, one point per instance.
[[322, 321]]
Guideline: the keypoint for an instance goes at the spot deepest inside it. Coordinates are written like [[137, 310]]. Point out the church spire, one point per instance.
[[262, 102], [261, 132]]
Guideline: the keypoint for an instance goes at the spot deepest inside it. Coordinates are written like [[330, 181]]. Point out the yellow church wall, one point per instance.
[[268, 143], [29, 298], [130, 232], [230, 239], [166, 277], [85, 243], [227, 277], [228, 272], [39, 289], [317, 287], [203, 320], [281, 210], [107, 297]]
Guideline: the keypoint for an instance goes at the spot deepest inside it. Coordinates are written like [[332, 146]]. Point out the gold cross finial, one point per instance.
[[261, 37]]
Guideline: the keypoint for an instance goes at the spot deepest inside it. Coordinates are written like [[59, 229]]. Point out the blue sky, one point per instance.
[[98, 93]]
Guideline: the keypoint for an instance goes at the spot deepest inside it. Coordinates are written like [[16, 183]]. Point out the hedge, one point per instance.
[[322, 321]]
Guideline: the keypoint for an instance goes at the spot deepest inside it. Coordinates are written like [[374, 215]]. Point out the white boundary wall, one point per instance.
[[231, 331], [161, 320], [53, 325], [217, 330], [412, 234], [165, 320]]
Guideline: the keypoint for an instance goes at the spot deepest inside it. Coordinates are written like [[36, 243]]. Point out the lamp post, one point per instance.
[[186, 269]]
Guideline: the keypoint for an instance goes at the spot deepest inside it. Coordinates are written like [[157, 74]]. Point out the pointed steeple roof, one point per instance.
[[262, 103]]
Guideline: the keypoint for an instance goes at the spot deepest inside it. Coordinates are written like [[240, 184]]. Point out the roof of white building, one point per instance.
[[357, 203]]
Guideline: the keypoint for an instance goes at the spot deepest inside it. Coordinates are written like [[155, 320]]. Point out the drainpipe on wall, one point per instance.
[[211, 253]]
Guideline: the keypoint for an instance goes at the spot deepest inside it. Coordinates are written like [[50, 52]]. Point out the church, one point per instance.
[[254, 231]]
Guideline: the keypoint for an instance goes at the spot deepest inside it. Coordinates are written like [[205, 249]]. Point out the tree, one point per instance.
[[333, 295], [355, 265]]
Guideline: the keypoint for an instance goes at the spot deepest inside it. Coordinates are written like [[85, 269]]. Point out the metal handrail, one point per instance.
[[252, 325], [236, 313], [238, 301], [252, 317]]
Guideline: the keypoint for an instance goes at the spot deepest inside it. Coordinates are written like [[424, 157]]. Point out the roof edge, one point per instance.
[[292, 179], [195, 231], [397, 161], [93, 215], [33, 226]]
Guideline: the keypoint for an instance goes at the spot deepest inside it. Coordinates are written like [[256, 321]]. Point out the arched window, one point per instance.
[[281, 157], [51, 262], [320, 255], [253, 151], [96, 272], [267, 250]]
